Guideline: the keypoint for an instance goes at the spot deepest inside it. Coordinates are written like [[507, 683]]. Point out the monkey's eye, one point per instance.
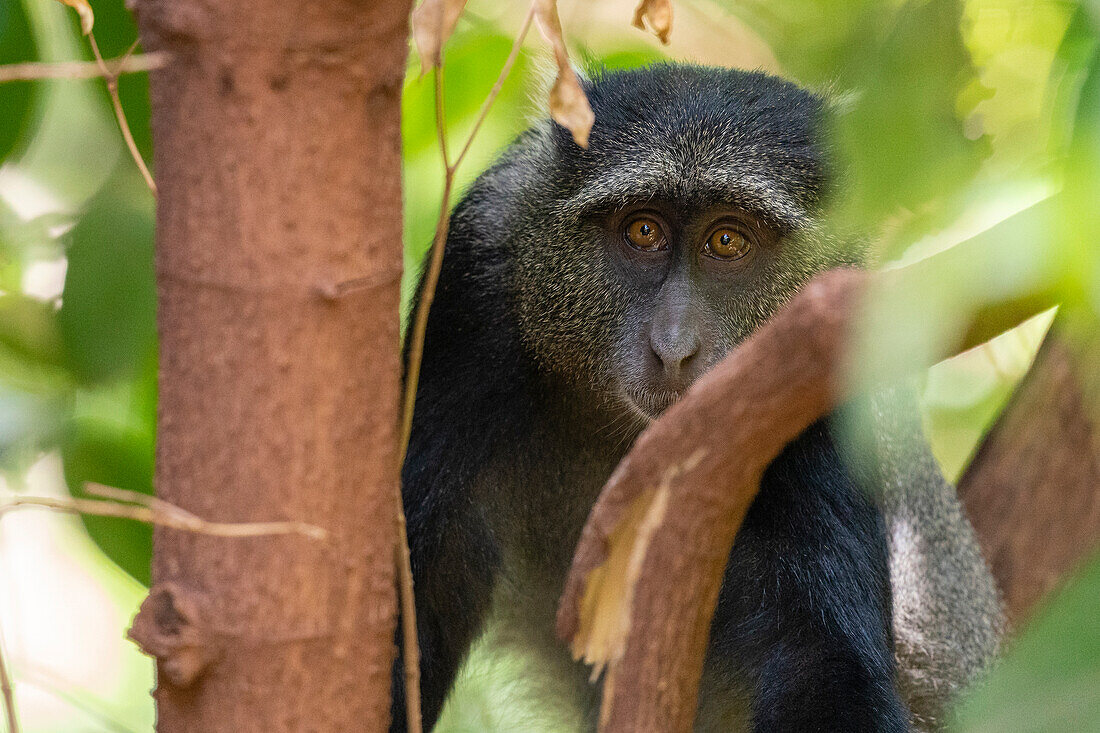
[[726, 243], [645, 233]]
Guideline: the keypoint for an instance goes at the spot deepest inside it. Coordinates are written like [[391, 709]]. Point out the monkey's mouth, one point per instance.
[[649, 403]]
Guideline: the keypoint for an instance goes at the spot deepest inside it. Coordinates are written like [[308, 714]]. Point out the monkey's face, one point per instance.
[[648, 297], [701, 278], [693, 215]]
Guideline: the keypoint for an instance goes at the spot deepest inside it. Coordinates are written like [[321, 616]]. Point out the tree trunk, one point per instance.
[[277, 139], [1033, 490]]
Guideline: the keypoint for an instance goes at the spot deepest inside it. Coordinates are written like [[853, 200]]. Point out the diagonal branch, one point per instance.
[[694, 473], [651, 633], [1013, 500]]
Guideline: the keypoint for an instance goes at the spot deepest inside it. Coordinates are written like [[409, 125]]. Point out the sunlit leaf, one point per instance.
[[659, 15]]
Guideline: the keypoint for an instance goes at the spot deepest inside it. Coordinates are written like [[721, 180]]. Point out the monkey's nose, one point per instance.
[[677, 353]]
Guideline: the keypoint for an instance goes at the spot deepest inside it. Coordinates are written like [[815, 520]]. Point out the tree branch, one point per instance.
[[1014, 500], [619, 607], [694, 473]]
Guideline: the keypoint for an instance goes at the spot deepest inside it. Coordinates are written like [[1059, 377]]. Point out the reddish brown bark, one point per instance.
[[276, 127], [1033, 490], [702, 460]]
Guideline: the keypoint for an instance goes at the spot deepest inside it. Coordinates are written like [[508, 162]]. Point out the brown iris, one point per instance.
[[726, 243], [644, 233]]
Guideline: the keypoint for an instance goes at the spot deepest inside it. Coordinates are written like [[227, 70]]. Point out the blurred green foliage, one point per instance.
[[951, 117], [1049, 681], [16, 45]]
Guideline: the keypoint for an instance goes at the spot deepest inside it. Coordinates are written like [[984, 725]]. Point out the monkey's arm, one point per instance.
[[948, 618], [804, 613]]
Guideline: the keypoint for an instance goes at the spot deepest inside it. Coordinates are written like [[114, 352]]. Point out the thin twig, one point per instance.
[[8, 690], [35, 70], [158, 512], [410, 645], [411, 652], [427, 292], [441, 120], [111, 77], [125, 496], [495, 91], [420, 325]]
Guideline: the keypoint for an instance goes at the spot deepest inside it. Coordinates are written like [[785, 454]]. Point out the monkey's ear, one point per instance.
[[835, 101], [589, 67]]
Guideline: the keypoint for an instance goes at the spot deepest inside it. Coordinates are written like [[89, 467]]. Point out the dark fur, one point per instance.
[[519, 419]]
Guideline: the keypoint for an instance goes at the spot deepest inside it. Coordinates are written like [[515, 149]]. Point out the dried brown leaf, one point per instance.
[[433, 22], [659, 15], [87, 18], [568, 103], [569, 106]]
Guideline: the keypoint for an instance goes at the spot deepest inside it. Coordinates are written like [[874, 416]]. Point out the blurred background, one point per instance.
[[952, 116]]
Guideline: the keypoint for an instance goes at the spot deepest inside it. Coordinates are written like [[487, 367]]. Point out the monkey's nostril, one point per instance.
[[676, 358]]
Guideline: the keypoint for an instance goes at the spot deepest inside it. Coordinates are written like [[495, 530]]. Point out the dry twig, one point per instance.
[[111, 77], [8, 691], [416, 352], [143, 508], [35, 70], [151, 510]]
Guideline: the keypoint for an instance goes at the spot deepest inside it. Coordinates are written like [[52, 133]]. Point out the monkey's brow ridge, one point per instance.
[[643, 180]]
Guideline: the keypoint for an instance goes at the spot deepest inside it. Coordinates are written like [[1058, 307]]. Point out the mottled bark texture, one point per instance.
[[277, 137], [1033, 490]]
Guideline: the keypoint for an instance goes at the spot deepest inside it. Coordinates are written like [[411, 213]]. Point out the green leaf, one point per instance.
[[28, 328], [110, 440], [902, 141], [16, 98], [1048, 681], [98, 452], [107, 316]]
